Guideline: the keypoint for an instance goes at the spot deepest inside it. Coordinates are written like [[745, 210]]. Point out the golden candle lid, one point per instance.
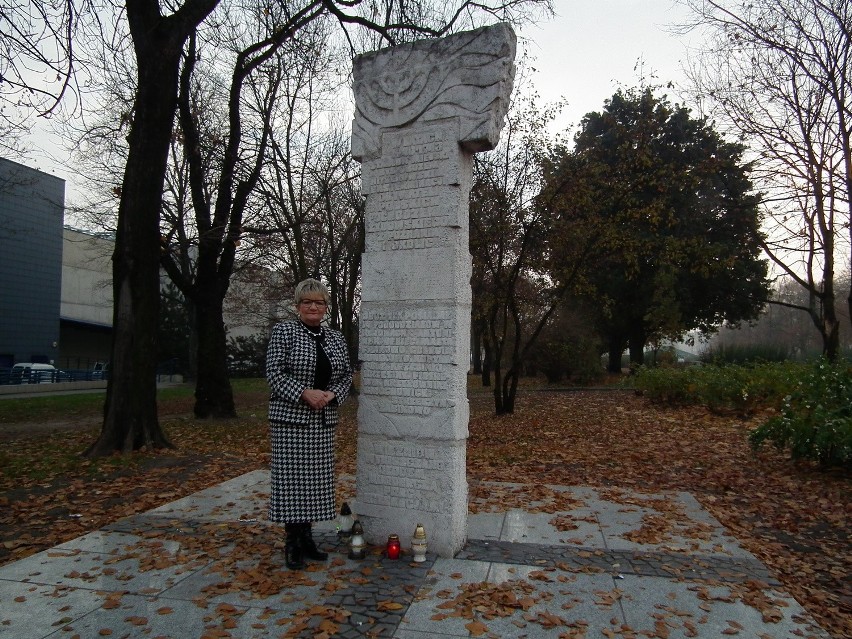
[[419, 532]]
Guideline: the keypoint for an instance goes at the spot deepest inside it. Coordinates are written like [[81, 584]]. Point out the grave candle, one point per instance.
[[418, 544], [357, 545], [393, 547]]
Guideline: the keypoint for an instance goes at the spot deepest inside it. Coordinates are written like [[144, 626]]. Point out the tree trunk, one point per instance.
[[830, 337], [130, 413], [496, 358], [487, 358], [849, 299], [831, 346], [616, 348], [476, 347], [636, 345], [830, 324], [821, 310], [510, 391], [499, 407], [214, 396], [191, 372]]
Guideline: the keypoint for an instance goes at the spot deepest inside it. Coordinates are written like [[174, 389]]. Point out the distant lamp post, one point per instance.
[[357, 545]]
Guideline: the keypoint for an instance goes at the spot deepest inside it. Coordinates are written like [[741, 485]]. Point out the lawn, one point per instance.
[[793, 516]]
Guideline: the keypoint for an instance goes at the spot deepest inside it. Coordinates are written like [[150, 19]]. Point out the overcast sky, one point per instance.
[[584, 54], [591, 48]]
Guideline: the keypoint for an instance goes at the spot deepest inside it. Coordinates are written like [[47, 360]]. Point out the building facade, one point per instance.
[[56, 297], [250, 308], [85, 316], [32, 205]]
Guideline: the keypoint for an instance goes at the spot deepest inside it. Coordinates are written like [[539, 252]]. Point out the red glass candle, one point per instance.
[[393, 547]]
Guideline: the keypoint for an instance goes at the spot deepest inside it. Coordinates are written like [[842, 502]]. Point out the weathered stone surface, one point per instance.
[[421, 110], [467, 77]]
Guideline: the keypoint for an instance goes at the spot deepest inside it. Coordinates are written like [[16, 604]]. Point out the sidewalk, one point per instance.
[[552, 562]]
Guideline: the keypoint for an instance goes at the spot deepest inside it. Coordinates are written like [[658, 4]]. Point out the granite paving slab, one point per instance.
[[576, 562]]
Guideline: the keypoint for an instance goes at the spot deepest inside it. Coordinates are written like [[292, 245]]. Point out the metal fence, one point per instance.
[[49, 376]]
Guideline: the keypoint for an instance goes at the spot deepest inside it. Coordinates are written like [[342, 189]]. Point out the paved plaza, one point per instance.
[[540, 561]]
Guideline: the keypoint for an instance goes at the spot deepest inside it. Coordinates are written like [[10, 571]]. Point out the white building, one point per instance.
[[251, 306], [85, 309]]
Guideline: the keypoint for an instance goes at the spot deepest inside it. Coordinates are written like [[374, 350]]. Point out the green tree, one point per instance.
[[675, 222]]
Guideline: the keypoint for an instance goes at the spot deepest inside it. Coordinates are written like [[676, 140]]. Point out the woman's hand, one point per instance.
[[317, 399]]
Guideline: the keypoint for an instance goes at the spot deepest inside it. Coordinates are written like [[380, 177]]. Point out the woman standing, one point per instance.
[[307, 367]]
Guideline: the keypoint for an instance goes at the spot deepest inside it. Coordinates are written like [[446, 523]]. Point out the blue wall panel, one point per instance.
[[32, 206]]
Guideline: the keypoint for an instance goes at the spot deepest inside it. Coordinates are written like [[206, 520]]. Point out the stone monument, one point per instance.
[[422, 110]]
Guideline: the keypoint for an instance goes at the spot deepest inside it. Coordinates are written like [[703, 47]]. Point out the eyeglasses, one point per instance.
[[316, 303]]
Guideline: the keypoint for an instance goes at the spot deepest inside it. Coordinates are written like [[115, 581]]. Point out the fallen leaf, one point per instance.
[[476, 628]]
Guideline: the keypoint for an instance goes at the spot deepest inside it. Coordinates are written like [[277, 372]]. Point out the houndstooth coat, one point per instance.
[[302, 439]]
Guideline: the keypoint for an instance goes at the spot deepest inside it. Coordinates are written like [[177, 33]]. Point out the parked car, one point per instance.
[[100, 370], [33, 373]]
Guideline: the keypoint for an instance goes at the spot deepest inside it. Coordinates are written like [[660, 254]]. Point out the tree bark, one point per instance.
[[496, 360], [510, 391], [616, 348], [831, 340], [487, 358], [130, 413], [214, 396], [828, 326], [636, 344], [476, 347]]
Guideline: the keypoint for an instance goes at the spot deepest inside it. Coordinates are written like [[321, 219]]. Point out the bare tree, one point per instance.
[[37, 64], [313, 216], [159, 34], [160, 38], [220, 197], [779, 74], [513, 298], [784, 327]]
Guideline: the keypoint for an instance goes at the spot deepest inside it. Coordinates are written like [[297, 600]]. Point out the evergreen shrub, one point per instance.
[[815, 421], [745, 354], [739, 388]]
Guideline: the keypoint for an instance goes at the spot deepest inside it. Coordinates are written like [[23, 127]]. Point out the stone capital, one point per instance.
[[467, 76]]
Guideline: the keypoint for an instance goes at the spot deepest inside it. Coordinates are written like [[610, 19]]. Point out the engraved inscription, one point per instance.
[[408, 475], [410, 348], [408, 197]]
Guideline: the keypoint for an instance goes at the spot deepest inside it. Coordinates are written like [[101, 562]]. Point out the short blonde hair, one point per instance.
[[308, 286]]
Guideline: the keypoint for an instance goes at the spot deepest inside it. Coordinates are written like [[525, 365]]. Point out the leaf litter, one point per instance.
[[793, 516]]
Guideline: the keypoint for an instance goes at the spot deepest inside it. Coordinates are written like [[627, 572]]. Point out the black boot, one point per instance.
[[293, 547], [309, 547]]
